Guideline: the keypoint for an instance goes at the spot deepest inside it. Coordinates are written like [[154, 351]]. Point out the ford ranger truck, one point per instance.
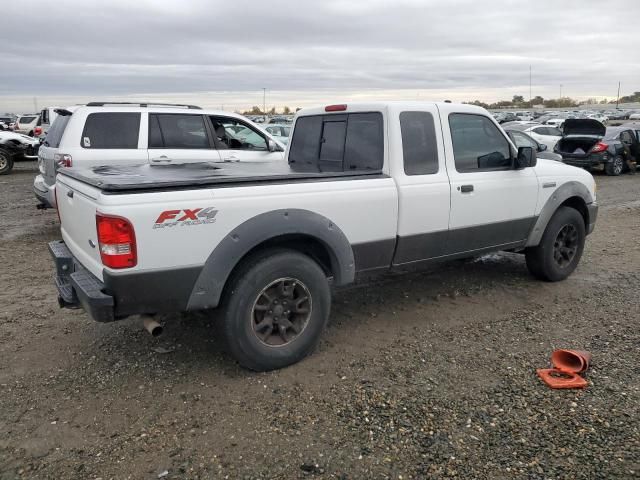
[[366, 187]]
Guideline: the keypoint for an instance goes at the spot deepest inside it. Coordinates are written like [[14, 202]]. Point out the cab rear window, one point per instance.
[[338, 143], [111, 130]]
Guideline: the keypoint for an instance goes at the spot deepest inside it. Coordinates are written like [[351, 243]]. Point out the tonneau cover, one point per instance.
[[192, 175]]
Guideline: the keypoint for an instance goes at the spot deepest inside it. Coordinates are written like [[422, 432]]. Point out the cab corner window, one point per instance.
[[478, 144], [338, 143], [419, 143], [111, 130]]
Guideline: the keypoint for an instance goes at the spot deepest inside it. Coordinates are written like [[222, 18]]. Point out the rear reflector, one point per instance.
[[599, 147], [335, 108], [117, 241]]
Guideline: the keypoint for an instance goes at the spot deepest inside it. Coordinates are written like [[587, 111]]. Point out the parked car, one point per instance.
[[557, 122], [504, 117], [280, 120], [128, 134], [544, 134], [368, 187], [27, 147], [589, 144], [29, 125], [634, 116], [521, 139], [279, 132], [6, 123], [8, 155]]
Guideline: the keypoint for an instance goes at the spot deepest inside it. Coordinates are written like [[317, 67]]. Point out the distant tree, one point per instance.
[[517, 99], [537, 100], [272, 111], [298, 109], [478, 103], [286, 110]]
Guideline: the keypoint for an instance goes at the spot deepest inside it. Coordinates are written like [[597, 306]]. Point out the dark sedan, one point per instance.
[[588, 144]]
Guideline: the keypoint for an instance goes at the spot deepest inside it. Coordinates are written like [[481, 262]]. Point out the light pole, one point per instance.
[[264, 102], [560, 90]]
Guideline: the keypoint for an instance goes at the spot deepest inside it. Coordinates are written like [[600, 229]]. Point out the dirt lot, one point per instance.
[[423, 375]]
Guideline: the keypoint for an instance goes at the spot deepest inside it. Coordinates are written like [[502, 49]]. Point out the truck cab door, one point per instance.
[[492, 204], [179, 138], [423, 184]]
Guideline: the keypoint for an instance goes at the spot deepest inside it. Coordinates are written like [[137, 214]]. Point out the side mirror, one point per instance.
[[273, 146], [526, 158], [542, 147]]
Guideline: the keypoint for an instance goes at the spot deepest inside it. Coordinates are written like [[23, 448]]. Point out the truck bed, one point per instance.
[[146, 177]]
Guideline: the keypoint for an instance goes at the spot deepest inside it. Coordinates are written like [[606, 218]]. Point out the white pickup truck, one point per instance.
[[367, 186]]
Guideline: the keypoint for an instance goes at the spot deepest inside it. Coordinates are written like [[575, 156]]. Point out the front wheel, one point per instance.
[[560, 248], [6, 162], [275, 309], [615, 167]]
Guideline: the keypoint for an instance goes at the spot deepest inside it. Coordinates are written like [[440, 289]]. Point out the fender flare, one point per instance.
[[227, 254], [562, 193]]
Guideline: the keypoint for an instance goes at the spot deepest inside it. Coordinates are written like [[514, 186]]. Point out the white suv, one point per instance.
[[99, 134]]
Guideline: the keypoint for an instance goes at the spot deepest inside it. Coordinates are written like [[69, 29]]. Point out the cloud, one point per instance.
[[74, 49]]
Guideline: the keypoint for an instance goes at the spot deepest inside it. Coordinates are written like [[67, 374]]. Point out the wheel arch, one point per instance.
[[571, 194], [302, 230]]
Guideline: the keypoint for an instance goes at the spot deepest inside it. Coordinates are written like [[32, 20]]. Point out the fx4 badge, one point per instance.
[[186, 217]]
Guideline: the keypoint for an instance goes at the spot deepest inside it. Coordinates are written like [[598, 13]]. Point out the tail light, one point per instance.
[[599, 147], [63, 160], [117, 241], [37, 131]]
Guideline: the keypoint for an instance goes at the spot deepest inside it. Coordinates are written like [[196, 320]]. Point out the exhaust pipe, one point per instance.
[[151, 326]]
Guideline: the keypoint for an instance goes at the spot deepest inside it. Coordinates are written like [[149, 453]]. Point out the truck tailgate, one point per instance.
[[77, 208]]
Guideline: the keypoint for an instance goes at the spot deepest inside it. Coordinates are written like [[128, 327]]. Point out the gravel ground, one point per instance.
[[424, 375]]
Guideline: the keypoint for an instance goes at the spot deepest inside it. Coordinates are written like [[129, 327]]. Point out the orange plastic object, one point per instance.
[[571, 360], [556, 378]]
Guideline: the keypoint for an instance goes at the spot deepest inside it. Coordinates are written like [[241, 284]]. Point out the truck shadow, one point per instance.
[[371, 305]]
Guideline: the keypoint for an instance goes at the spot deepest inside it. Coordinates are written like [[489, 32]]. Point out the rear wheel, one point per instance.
[[275, 309], [561, 246], [615, 167], [6, 162]]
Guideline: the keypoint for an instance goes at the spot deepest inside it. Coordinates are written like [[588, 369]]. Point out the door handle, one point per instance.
[[162, 158], [465, 188], [231, 158]]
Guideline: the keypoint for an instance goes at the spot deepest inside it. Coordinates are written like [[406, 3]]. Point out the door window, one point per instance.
[[419, 144], [236, 135], [179, 131], [111, 130], [478, 144]]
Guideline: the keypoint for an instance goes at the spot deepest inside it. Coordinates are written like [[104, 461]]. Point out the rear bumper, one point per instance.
[[43, 192], [77, 287], [586, 162], [122, 293]]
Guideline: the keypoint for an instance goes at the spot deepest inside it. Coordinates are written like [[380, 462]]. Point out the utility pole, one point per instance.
[[264, 102], [560, 90], [618, 97]]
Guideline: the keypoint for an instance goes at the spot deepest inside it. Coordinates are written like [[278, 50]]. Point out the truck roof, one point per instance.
[[139, 178], [350, 107]]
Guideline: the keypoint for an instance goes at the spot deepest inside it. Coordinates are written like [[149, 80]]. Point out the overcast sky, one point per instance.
[[222, 53]]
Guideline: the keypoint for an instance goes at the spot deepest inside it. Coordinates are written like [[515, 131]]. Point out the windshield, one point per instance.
[[26, 119]]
